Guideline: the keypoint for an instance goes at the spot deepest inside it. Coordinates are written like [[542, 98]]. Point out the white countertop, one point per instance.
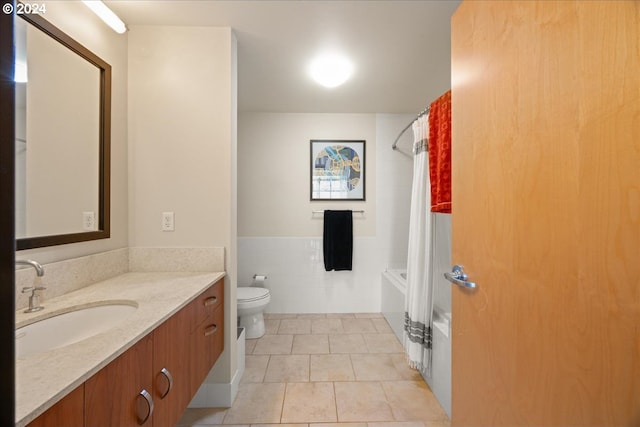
[[43, 379]]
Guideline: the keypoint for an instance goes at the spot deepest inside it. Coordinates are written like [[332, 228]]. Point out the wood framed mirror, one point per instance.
[[63, 132]]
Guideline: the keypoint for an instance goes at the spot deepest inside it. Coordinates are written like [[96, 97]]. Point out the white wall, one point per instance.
[[76, 20], [278, 235], [182, 144], [274, 170]]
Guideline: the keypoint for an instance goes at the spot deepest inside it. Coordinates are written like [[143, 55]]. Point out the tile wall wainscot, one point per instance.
[[298, 282]]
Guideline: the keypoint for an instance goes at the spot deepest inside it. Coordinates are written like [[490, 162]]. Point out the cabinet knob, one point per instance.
[[210, 301], [147, 397], [167, 374]]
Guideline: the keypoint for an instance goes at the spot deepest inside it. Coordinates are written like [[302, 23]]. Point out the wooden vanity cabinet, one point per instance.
[[207, 336], [68, 412], [169, 364], [112, 397]]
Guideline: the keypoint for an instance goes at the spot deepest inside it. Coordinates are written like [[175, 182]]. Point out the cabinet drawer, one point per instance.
[[207, 302]]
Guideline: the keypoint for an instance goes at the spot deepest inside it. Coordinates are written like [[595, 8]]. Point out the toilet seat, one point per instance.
[[246, 294]]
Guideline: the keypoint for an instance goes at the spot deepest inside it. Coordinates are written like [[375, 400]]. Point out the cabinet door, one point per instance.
[[113, 395], [68, 412], [171, 365]]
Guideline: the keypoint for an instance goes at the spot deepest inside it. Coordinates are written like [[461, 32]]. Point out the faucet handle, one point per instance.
[[33, 289]]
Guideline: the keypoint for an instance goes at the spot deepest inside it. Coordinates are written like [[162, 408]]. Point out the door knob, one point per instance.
[[457, 276]]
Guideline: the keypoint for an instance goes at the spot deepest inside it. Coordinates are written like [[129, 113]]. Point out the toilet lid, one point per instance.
[[249, 293]]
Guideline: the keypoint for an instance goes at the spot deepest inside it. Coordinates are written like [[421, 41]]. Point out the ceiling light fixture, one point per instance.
[[106, 14], [331, 69]]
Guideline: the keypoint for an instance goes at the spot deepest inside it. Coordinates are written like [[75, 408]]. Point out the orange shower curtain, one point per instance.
[[440, 153]]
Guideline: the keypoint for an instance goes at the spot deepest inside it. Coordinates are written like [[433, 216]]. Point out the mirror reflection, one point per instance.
[[61, 139]]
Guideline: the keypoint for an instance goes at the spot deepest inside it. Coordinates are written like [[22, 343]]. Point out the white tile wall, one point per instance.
[[298, 282]]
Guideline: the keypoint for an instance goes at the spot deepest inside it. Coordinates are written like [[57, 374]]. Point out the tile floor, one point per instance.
[[326, 370]]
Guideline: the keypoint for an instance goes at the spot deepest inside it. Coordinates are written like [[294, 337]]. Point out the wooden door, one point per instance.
[[546, 220]]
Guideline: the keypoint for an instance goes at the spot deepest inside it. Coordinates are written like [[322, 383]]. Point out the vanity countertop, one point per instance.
[[44, 378]]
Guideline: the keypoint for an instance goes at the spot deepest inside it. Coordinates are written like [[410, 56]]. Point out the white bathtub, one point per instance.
[[394, 290]]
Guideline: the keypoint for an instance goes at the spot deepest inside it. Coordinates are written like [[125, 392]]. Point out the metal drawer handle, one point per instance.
[[210, 301], [459, 277], [145, 394], [210, 330], [167, 374]]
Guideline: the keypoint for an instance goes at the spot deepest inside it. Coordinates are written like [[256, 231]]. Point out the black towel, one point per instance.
[[337, 240]]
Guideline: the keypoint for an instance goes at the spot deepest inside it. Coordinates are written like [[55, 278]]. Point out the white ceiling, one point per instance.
[[401, 49]]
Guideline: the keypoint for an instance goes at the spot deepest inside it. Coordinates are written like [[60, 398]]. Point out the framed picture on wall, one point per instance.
[[337, 169]]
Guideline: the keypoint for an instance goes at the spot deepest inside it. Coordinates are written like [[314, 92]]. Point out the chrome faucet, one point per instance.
[[34, 300], [32, 263]]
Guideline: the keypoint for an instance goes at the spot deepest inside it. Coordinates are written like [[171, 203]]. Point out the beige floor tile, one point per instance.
[[382, 343], [339, 425], [271, 326], [347, 343], [254, 368], [280, 316], [402, 366], [413, 401], [374, 367], [249, 345], [361, 402], [341, 316], [274, 344], [287, 369], [312, 316], [295, 326], [280, 425], [359, 326], [331, 367], [257, 403], [310, 344], [309, 402], [205, 416], [326, 326], [368, 315], [399, 424], [382, 326]]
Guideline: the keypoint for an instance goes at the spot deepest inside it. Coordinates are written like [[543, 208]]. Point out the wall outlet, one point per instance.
[[167, 221], [88, 221]]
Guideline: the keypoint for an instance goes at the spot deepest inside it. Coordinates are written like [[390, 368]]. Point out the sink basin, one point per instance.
[[71, 326]]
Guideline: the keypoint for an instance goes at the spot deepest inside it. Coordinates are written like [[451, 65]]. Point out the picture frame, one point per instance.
[[338, 170]]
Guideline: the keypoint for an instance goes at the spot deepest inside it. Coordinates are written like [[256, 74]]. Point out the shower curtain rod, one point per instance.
[[422, 113]]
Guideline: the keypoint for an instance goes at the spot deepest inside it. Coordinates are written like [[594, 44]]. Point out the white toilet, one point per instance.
[[251, 304]]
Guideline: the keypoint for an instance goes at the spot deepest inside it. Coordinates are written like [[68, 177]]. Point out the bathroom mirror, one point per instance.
[[63, 125]]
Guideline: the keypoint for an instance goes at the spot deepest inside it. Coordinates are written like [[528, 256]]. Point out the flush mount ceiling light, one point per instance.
[[330, 69], [106, 14]]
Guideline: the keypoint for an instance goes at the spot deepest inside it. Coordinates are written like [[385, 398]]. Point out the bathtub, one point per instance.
[[394, 290]]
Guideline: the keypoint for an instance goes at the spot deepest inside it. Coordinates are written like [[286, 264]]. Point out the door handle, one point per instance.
[[459, 277]]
